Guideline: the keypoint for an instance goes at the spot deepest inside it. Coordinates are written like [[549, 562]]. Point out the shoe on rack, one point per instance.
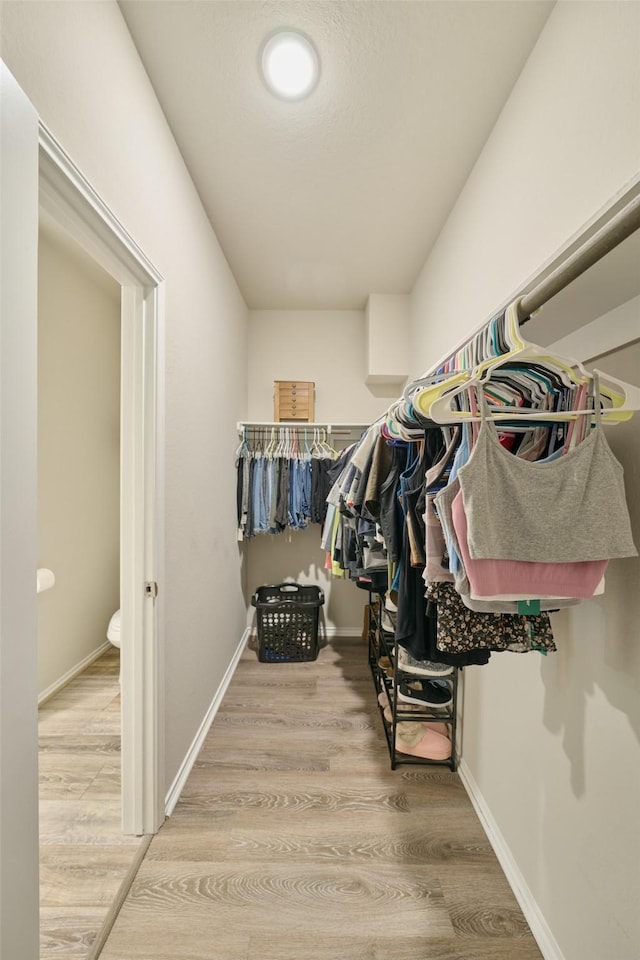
[[405, 708], [384, 663], [422, 741], [424, 668], [383, 700], [387, 622], [389, 604], [440, 728], [427, 693], [409, 733]]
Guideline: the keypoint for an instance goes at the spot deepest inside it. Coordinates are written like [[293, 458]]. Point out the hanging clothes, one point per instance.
[[460, 629], [485, 529], [282, 481], [564, 509]]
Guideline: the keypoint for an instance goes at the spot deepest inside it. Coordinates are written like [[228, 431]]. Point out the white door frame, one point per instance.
[[67, 196], [19, 935]]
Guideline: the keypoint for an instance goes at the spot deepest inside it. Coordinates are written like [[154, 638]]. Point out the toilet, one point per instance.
[[113, 630]]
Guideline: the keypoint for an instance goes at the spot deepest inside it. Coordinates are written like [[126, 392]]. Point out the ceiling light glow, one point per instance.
[[290, 65]]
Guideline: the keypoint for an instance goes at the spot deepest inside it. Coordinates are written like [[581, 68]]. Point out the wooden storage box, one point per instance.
[[294, 400]]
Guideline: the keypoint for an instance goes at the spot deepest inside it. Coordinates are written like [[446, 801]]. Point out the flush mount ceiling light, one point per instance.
[[290, 64]]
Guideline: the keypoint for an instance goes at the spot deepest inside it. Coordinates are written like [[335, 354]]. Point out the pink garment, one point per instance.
[[489, 578]]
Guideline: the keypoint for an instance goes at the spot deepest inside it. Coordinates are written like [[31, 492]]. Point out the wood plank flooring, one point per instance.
[[293, 839], [84, 857]]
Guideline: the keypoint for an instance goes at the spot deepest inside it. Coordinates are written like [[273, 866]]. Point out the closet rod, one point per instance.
[[299, 424], [612, 233]]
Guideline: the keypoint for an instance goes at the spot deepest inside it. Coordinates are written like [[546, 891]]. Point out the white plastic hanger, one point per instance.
[[623, 398], [624, 405], [478, 360], [329, 451]]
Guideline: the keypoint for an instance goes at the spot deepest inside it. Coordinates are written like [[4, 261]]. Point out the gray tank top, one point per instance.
[[558, 511]]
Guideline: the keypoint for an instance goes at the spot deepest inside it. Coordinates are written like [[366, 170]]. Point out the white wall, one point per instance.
[[553, 744], [620, 325], [566, 141], [18, 497], [78, 455], [327, 347], [387, 346], [78, 65]]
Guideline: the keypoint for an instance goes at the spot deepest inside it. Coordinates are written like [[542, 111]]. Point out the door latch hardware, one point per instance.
[[151, 589]]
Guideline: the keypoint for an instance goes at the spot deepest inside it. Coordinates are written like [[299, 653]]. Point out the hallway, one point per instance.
[[293, 840]]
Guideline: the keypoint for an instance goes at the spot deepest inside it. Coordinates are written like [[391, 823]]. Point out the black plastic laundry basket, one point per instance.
[[288, 615]]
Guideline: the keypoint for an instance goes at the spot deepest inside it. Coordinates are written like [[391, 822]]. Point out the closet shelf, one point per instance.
[[303, 425]]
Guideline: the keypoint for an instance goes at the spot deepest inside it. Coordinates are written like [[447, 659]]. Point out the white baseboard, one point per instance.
[[533, 915], [176, 788], [71, 674]]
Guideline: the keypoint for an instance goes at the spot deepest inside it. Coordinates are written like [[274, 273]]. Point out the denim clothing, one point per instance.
[[273, 493], [320, 486], [260, 515]]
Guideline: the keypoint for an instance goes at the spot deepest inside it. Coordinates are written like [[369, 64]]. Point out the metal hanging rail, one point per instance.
[[612, 233], [605, 232], [332, 429], [302, 424]]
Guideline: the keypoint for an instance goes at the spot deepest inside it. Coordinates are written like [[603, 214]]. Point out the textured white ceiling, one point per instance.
[[320, 202]]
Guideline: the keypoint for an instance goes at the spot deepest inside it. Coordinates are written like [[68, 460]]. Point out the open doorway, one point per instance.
[[79, 356], [67, 200], [100, 483], [84, 856]]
